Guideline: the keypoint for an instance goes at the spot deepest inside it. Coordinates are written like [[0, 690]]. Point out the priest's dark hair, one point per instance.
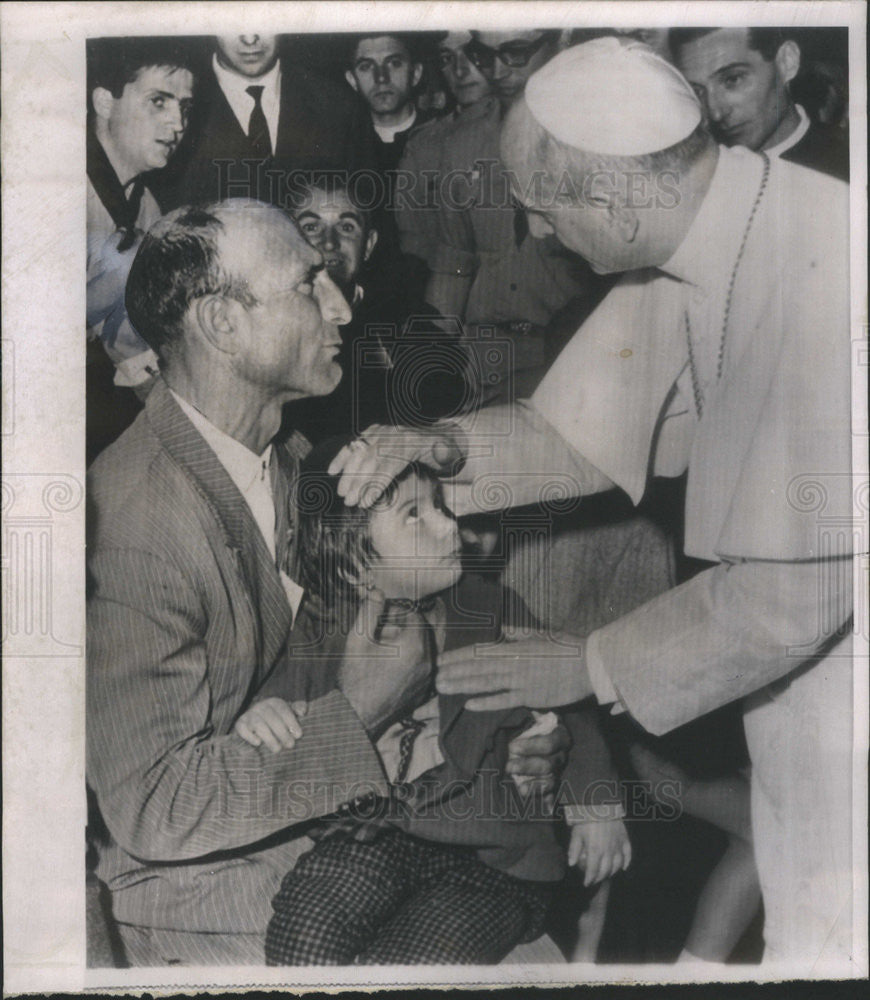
[[764, 40]]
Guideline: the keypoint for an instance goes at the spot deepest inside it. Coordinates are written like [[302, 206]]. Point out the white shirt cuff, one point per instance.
[[602, 685]]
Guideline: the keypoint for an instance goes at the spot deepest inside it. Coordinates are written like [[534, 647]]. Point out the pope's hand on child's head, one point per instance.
[[372, 461], [600, 847], [272, 722]]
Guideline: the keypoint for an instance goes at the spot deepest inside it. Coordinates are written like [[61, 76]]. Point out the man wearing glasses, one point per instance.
[[508, 58], [486, 271], [416, 214]]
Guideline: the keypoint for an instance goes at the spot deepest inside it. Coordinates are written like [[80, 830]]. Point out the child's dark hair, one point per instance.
[[335, 548]]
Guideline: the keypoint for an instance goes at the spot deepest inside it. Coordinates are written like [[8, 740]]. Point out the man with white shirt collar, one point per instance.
[[385, 71], [260, 116], [247, 71], [742, 77], [192, 595]]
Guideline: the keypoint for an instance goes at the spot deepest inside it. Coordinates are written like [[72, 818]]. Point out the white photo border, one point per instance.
[[43, 153]]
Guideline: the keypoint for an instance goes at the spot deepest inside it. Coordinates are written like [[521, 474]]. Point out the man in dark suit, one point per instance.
[[193, 595], [258, 118], [385, 71], [742, 76]]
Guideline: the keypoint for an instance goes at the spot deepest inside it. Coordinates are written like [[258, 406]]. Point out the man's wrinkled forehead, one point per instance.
[[254, 233], [455, 40], [322, 201], [380, 46], [708, 54], [176, 80]]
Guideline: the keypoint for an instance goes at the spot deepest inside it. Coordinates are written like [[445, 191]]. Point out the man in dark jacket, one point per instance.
[[258, 118], [742, 76]]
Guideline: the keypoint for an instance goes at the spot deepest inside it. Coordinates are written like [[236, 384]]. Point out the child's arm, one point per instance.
[[592, 801], [305, 672]]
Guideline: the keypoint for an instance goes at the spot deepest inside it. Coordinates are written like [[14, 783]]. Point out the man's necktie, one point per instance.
[[258, 127]]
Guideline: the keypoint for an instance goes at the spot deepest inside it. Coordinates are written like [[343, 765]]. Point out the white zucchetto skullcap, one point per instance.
[[613, 98]]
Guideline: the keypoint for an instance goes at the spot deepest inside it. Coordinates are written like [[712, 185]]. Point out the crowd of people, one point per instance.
[[448, 399]]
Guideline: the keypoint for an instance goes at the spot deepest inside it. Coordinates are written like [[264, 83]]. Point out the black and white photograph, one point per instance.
[[441, 556]]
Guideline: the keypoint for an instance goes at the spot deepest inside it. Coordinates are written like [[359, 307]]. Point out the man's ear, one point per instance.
[[218, 322], [103, 101], [371, 243], [788, 60], [418, 72], [351, 79]]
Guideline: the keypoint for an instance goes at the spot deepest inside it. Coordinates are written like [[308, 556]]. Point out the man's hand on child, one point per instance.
[[384, 672], [272, 722], [537, 762], [537, 756], [600, 847]]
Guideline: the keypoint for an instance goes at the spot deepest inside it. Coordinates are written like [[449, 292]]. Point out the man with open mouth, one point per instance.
[[139, 96]]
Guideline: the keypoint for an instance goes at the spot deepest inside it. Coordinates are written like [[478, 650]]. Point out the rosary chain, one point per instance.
[[720, 361]]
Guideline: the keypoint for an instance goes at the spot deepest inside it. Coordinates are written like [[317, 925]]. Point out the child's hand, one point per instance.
[[600, 847], [272, 721]]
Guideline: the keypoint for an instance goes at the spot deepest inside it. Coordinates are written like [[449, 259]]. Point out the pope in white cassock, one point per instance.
[[724, 351]]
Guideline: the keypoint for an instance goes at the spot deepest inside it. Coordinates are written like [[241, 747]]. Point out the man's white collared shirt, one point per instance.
[[250, 473], [235, 88], [388, 133], [795, 137]]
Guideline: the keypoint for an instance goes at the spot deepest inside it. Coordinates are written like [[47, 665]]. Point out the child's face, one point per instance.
[[417, 542]]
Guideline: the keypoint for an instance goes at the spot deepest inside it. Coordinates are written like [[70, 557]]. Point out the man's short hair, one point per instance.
[[177, 263], [412, 41], [563, 162], [114, 62], [764, 40], [332, 182]]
